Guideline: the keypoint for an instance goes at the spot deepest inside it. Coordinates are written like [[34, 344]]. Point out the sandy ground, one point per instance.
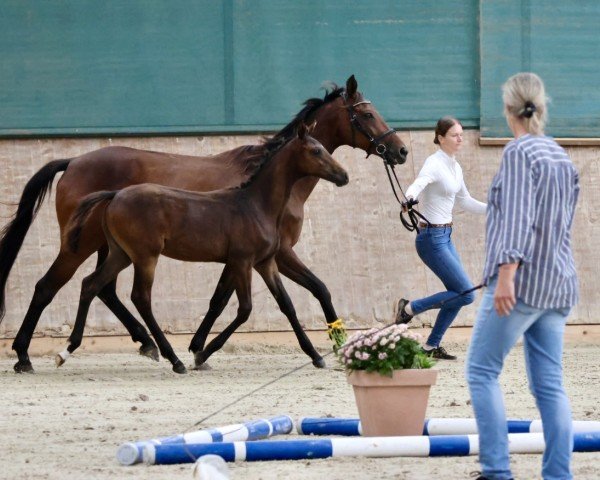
[[67, 423]]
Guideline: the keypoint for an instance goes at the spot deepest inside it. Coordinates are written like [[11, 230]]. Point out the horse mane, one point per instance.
[[260, 156], [310, 106], [257, 156]]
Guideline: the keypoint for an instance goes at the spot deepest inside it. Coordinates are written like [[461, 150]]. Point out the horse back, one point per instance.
[[148, 220], [114, 168]]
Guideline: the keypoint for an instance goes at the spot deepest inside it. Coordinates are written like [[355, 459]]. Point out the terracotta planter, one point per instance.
[[392, 406]]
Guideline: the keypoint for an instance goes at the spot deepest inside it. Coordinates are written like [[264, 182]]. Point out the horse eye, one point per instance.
[[369, 115], [316, 151]]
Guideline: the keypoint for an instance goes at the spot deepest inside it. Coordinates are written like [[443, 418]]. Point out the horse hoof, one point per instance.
[[319, 363], [150, 351], [202, 366], [60, 361], [179, 367], [199, 360], [23, 367]]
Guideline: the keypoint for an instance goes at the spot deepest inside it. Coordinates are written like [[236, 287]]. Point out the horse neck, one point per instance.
[[327, 132], [273, 185]]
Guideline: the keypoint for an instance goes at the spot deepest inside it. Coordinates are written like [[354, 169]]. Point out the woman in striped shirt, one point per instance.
[[531, 282]]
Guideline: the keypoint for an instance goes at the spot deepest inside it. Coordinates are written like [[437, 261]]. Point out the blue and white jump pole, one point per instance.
[[422, 446], [131, 453], [432, 426]]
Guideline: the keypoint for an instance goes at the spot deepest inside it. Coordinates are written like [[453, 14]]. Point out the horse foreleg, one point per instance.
[[141, 295], [138, 333], [271, 277], [242, 280], [217, 304], [61, 271], [292, 267]]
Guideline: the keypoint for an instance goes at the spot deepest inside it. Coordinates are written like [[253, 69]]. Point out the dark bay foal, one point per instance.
[[238, 227]]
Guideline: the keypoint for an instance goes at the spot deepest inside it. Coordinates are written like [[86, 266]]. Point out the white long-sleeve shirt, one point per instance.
[[439, 184]]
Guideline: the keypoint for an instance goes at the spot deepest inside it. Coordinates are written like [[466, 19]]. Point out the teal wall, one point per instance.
[[118, 67], [558, 40], [154, 66]]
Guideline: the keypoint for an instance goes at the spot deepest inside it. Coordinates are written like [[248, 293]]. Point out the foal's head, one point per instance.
[[314, 160]]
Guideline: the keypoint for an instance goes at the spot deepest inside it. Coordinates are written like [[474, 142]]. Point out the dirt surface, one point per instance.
[[67, 423]]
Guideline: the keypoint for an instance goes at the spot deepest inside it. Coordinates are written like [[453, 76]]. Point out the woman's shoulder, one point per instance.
[[526, 143], [435, 158]]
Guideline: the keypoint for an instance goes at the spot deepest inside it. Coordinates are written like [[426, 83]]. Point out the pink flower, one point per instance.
[[382, 356]]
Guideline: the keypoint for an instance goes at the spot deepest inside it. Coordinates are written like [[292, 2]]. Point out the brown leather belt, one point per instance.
[[435, 225]]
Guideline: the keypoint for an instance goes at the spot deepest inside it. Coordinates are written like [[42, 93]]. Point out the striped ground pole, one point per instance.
[[131, 453], [423, 446], [432, 426]]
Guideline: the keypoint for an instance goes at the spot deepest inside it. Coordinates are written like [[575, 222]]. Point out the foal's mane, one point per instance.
[[259, 155]]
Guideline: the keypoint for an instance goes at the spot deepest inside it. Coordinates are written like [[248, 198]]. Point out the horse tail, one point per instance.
[[84, 210], [13, 233]]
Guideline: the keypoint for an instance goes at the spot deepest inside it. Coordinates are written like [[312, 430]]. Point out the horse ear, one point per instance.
[[302, 131], [351, 86], [311, 127]]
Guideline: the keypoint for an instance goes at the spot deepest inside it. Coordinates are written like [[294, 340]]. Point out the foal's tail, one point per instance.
[[82, 213], [13, 233]]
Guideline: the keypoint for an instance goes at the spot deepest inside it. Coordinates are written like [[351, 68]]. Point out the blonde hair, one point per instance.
[[525, 98]]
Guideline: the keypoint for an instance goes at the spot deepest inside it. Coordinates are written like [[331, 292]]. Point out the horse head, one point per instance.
[[314, 160], [367, 129]]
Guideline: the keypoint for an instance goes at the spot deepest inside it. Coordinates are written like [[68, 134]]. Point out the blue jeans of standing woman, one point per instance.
[[435, 247], [493, 337]]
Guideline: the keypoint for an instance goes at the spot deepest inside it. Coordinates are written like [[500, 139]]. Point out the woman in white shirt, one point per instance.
[[439, 185]]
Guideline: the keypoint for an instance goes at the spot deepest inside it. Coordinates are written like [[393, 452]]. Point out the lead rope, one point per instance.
[[412, 224]]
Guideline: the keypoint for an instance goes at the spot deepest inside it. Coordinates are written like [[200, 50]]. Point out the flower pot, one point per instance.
[[392, 406]]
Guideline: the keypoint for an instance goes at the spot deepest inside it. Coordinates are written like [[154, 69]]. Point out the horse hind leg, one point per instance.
[[61, 271], [108, 295], [141, 295], [136, 330], [217, 304], [242, 279], [91, 286]]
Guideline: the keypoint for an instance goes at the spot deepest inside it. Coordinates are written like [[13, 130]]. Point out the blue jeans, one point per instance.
[[493, 337], [435, 247]]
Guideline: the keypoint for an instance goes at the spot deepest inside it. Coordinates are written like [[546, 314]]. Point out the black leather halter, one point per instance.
[[374, 142]]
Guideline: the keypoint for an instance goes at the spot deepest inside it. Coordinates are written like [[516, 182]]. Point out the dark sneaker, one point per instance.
[[480, 477], [401, 315], [439, 353]]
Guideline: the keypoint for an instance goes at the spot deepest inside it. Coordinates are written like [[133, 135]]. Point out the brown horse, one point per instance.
[[343, 117], [238, 227]]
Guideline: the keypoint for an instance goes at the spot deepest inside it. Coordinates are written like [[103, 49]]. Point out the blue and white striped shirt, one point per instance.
[[531, 204]]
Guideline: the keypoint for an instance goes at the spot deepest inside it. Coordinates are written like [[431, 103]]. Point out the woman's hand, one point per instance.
[[504, 296], [405, 205]]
